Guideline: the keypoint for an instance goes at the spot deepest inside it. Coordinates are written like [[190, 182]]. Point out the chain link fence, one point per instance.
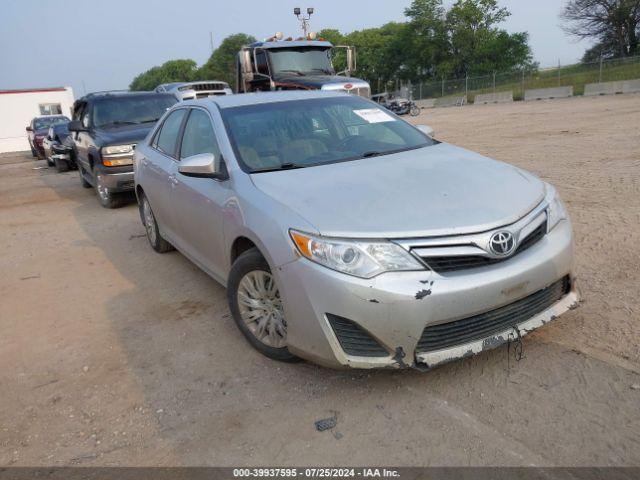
[[577, 75]]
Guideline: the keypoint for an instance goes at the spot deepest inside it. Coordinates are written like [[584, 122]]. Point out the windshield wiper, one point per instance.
[[297, 72], [284, 166], [373, 154], [149, 121], [323, 70], [118, 122]]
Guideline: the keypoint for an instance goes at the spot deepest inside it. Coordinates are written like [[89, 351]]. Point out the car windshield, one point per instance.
[[46, 122], [304, 133], [130, 110], [301, 61]]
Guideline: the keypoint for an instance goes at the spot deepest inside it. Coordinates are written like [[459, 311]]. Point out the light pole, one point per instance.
[[304, 20]]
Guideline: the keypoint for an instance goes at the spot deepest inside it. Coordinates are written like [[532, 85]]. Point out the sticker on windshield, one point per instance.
[[374, 115]]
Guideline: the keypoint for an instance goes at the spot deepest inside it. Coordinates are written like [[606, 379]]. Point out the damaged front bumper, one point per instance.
[[395, 308]]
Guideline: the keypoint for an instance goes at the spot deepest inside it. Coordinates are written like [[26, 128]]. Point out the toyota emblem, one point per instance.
[[502, 243]]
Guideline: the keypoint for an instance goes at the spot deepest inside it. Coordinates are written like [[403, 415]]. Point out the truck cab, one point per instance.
[[302, 64]]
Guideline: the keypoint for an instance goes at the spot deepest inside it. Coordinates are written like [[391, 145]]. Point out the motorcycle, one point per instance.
[[404, 107]]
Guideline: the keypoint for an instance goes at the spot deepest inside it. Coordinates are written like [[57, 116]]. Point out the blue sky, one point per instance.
[[103, 45]]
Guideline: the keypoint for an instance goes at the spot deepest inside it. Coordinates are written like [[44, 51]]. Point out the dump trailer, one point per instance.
[[301, 64]]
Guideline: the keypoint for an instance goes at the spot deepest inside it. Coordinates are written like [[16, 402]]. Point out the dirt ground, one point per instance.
[[111, 354]]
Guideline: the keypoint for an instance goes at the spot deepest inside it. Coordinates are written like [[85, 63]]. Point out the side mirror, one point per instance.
[[29, 129], [351, 60], [76, 126], [202, 165], [426, 129]]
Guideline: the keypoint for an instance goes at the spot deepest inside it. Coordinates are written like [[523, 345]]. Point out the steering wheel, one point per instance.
[[346, 144]]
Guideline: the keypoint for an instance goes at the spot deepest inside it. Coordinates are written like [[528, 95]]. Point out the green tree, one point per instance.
[[222, 63], [427, 45], [613, 24], [477, 45], [171, 71]]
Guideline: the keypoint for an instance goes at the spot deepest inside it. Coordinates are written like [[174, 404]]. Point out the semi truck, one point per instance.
[[304, 63]]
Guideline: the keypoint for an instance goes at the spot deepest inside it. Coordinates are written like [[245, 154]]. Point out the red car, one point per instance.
[[38, 128]]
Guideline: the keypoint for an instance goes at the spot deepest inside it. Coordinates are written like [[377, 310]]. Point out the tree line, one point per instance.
[[436, 42]]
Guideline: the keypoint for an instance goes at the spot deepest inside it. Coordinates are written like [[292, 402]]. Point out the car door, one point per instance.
[[200, 201], [82, 140], [159, 172]]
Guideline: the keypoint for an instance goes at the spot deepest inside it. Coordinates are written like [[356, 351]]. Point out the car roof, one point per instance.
[[121, 93], [244, 99]]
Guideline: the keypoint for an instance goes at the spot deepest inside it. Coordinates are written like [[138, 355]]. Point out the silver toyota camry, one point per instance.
[[348, 237]]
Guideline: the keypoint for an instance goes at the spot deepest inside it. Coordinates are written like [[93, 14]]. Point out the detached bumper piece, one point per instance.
[[438, 337], [354, 340]]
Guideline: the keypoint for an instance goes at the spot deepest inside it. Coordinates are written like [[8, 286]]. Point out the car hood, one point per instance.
[[123, 134], [436, 190]]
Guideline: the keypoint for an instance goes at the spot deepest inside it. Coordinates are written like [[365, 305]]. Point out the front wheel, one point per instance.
[[256, 306], [83, 180], [415, 111], [107, 199]]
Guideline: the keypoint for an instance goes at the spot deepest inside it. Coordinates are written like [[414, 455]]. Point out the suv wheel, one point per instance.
[[158, 243], [107, 199], [254, 301], [34, 154], [83, 180]]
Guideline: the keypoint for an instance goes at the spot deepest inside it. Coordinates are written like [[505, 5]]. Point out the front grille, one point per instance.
[[354, 340], [438, 337], [199, 87], [451, 264]]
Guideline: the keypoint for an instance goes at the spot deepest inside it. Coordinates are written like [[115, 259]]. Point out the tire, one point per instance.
[[50, 163], [251, 267], [83, 180], [61, 165], [106, 198], [34, 154], [415, 111], [156, 240]]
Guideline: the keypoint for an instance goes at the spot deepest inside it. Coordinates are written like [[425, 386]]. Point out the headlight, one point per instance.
[[117, 149], [556, 210], [354, 257], [117, 155]]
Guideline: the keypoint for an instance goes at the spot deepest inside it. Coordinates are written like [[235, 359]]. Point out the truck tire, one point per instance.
[[106, 198], [61, 165], [156, 240], [83, 180], [250, 267]]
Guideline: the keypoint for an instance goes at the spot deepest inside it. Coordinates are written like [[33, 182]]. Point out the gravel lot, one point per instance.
[[114, 355]]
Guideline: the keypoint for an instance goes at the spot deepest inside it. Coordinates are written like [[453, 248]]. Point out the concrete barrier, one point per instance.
[[548, 93], [451, 101], [498, 97], [631, 86], [427, 103], [606, 88]]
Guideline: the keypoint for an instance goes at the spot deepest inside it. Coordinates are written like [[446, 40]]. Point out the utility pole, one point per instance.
[[600, 78], [211, 41], [559, 73]]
